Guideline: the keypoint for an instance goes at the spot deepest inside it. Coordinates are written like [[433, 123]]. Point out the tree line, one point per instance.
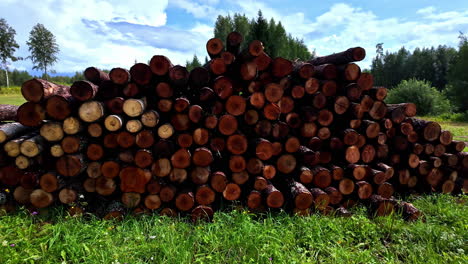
[[17, 77], [442, 67], [278, 43]]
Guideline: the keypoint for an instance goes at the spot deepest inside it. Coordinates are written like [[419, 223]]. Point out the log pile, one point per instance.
[[267, 133]]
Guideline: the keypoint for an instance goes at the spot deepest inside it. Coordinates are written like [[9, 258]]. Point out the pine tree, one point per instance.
[[458, 76], [190, 65], [241, 25], [223, 26], [259, 30]]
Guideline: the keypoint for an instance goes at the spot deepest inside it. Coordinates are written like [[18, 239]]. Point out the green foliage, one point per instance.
[[241, 24], [12, 90], [457, 90], [190, 65], [259, 30], [456, 117], [43, 48], [8, 47], [11, 95], [427, 99], [8, 43], [15, 77], [66, 80], [276, 41], [223, 26], [431, 64], [241, 237]]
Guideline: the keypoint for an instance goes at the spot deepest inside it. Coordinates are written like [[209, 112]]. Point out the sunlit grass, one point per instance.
[[14, 99], [241, 237]]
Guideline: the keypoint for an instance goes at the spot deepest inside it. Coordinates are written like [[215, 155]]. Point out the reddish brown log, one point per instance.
[[378, 93], [385, 190], [378, 110], [70, 165], [119, 76], [185, 201], [335, 196], [205, 195], [105, 186], [281, 67], [227, 125], [346, 186], [344, 57], [217, 66], [37, 90], [152, 201], [31, 114], [235, 105], [83, 90], [143, 158], [269, 172], [365, 81], [303, 198], [181, 159], [352, 154], [364, 190], [41, 199], [141, 74], [254, 200], [133, 179], [202, 213], [326, 71], [167, 193], [115, 105], [321, 198], [218, 181], [233, 42], [237, 163], [274, 198], [95, 75], [322, 177], [10, 175], [381, 205], [214, 47], [8, 112], [231, 192], [260, 183], [160, 65], [328, 88]]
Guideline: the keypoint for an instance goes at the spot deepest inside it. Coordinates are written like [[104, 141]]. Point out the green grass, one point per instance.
[[14, 99], [240, 237]]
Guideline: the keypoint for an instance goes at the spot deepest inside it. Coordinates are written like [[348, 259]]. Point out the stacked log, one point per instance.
[[266, 132]]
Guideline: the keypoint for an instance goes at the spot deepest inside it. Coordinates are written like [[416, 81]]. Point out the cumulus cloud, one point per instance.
[[198, 9], [102, 33]]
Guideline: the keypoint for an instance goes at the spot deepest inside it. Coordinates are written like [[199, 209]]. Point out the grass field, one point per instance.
[[240, 237], [14, 99]]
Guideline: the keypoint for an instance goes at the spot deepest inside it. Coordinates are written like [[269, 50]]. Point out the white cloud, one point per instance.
[[426, 10], [205, 9], [86, 34]]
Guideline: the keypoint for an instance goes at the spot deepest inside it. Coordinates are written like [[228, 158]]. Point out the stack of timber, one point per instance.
[[266, 133]]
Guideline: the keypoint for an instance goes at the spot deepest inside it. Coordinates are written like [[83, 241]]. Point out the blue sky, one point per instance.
[[115, 33]]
